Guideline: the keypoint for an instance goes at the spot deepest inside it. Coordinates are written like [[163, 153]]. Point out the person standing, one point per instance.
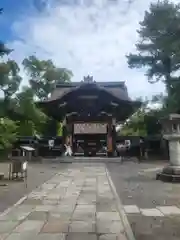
[[68, 151], [142, 146], [51, 145]]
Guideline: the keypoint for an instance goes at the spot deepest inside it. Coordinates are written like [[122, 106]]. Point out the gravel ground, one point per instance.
[[136, 185], [37, 174]]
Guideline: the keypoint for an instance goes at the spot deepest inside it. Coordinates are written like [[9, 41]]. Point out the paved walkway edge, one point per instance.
[[21, 200], [127, 227], [6, 211]]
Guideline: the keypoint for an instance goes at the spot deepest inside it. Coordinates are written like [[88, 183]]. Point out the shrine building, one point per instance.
[[89, 112]]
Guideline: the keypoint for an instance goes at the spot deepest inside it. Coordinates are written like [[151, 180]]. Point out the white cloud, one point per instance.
[[89, 37]]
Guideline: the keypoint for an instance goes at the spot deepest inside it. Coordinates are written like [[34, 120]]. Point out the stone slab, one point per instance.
[[106, 207], [29, 201], [21, 236], [109, 227], [37, 215], [61, 216], [86, 208], [83, 215], [64, 208], [169, 210], [29, 226], [151, 212], [7, 226], [44, 208], [3, 236], [131, 209], [82, 226], [81, 236], [48, 236], [49, 202], [120, 236], [55, 227], [15, 215], [108, 216]]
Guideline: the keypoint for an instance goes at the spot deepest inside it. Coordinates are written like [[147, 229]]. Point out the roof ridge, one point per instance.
[[77, 84]]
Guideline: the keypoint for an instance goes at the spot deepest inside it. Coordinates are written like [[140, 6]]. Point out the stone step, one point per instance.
[[87, 160], [90, 159]]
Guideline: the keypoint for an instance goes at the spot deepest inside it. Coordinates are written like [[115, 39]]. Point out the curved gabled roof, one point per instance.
[[117, 89], [74, 97]]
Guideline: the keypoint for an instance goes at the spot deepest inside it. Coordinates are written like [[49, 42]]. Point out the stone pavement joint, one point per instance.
[[77, 203]]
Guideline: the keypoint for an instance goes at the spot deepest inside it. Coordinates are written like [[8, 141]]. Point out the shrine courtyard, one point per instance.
[[81, 198], [89, 200]]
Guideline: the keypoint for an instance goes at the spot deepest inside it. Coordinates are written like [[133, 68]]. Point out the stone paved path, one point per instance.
[[77, 203]]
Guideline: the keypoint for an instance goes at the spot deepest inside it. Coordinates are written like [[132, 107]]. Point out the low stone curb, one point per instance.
[[128, 230]]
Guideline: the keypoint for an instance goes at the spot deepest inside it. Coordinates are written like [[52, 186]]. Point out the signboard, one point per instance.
[[90, 128]]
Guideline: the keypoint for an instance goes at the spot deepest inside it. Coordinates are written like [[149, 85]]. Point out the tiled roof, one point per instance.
[[117, 89]]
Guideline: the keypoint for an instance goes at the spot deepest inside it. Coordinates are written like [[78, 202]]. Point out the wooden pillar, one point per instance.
[[109, 139], [114, 135]]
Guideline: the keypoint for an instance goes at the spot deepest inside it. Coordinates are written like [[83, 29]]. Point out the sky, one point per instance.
[[86, 36]]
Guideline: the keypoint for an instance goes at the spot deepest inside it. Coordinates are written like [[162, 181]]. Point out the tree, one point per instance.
[[9, 78], [44, 75], [3, 49], [158, 49], [9, 83], [34, 118], [135, 126], [9, 75], [145, 121], [7, 133]]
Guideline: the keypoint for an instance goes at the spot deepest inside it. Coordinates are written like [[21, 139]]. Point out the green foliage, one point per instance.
[[26, 128], [44, 75], [158, 49], [144, 122], [59, 129], [9, 84], [9, 78], [34, 117], [135, 126], [7, 133], [19, 114]]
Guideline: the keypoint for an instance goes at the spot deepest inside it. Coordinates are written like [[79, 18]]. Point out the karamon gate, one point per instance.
[[88, 112]]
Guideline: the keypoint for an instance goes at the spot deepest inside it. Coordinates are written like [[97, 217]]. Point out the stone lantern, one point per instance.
[[171, 132]]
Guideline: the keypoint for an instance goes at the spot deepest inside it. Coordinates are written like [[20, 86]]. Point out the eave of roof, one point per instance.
[[59, 113]]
